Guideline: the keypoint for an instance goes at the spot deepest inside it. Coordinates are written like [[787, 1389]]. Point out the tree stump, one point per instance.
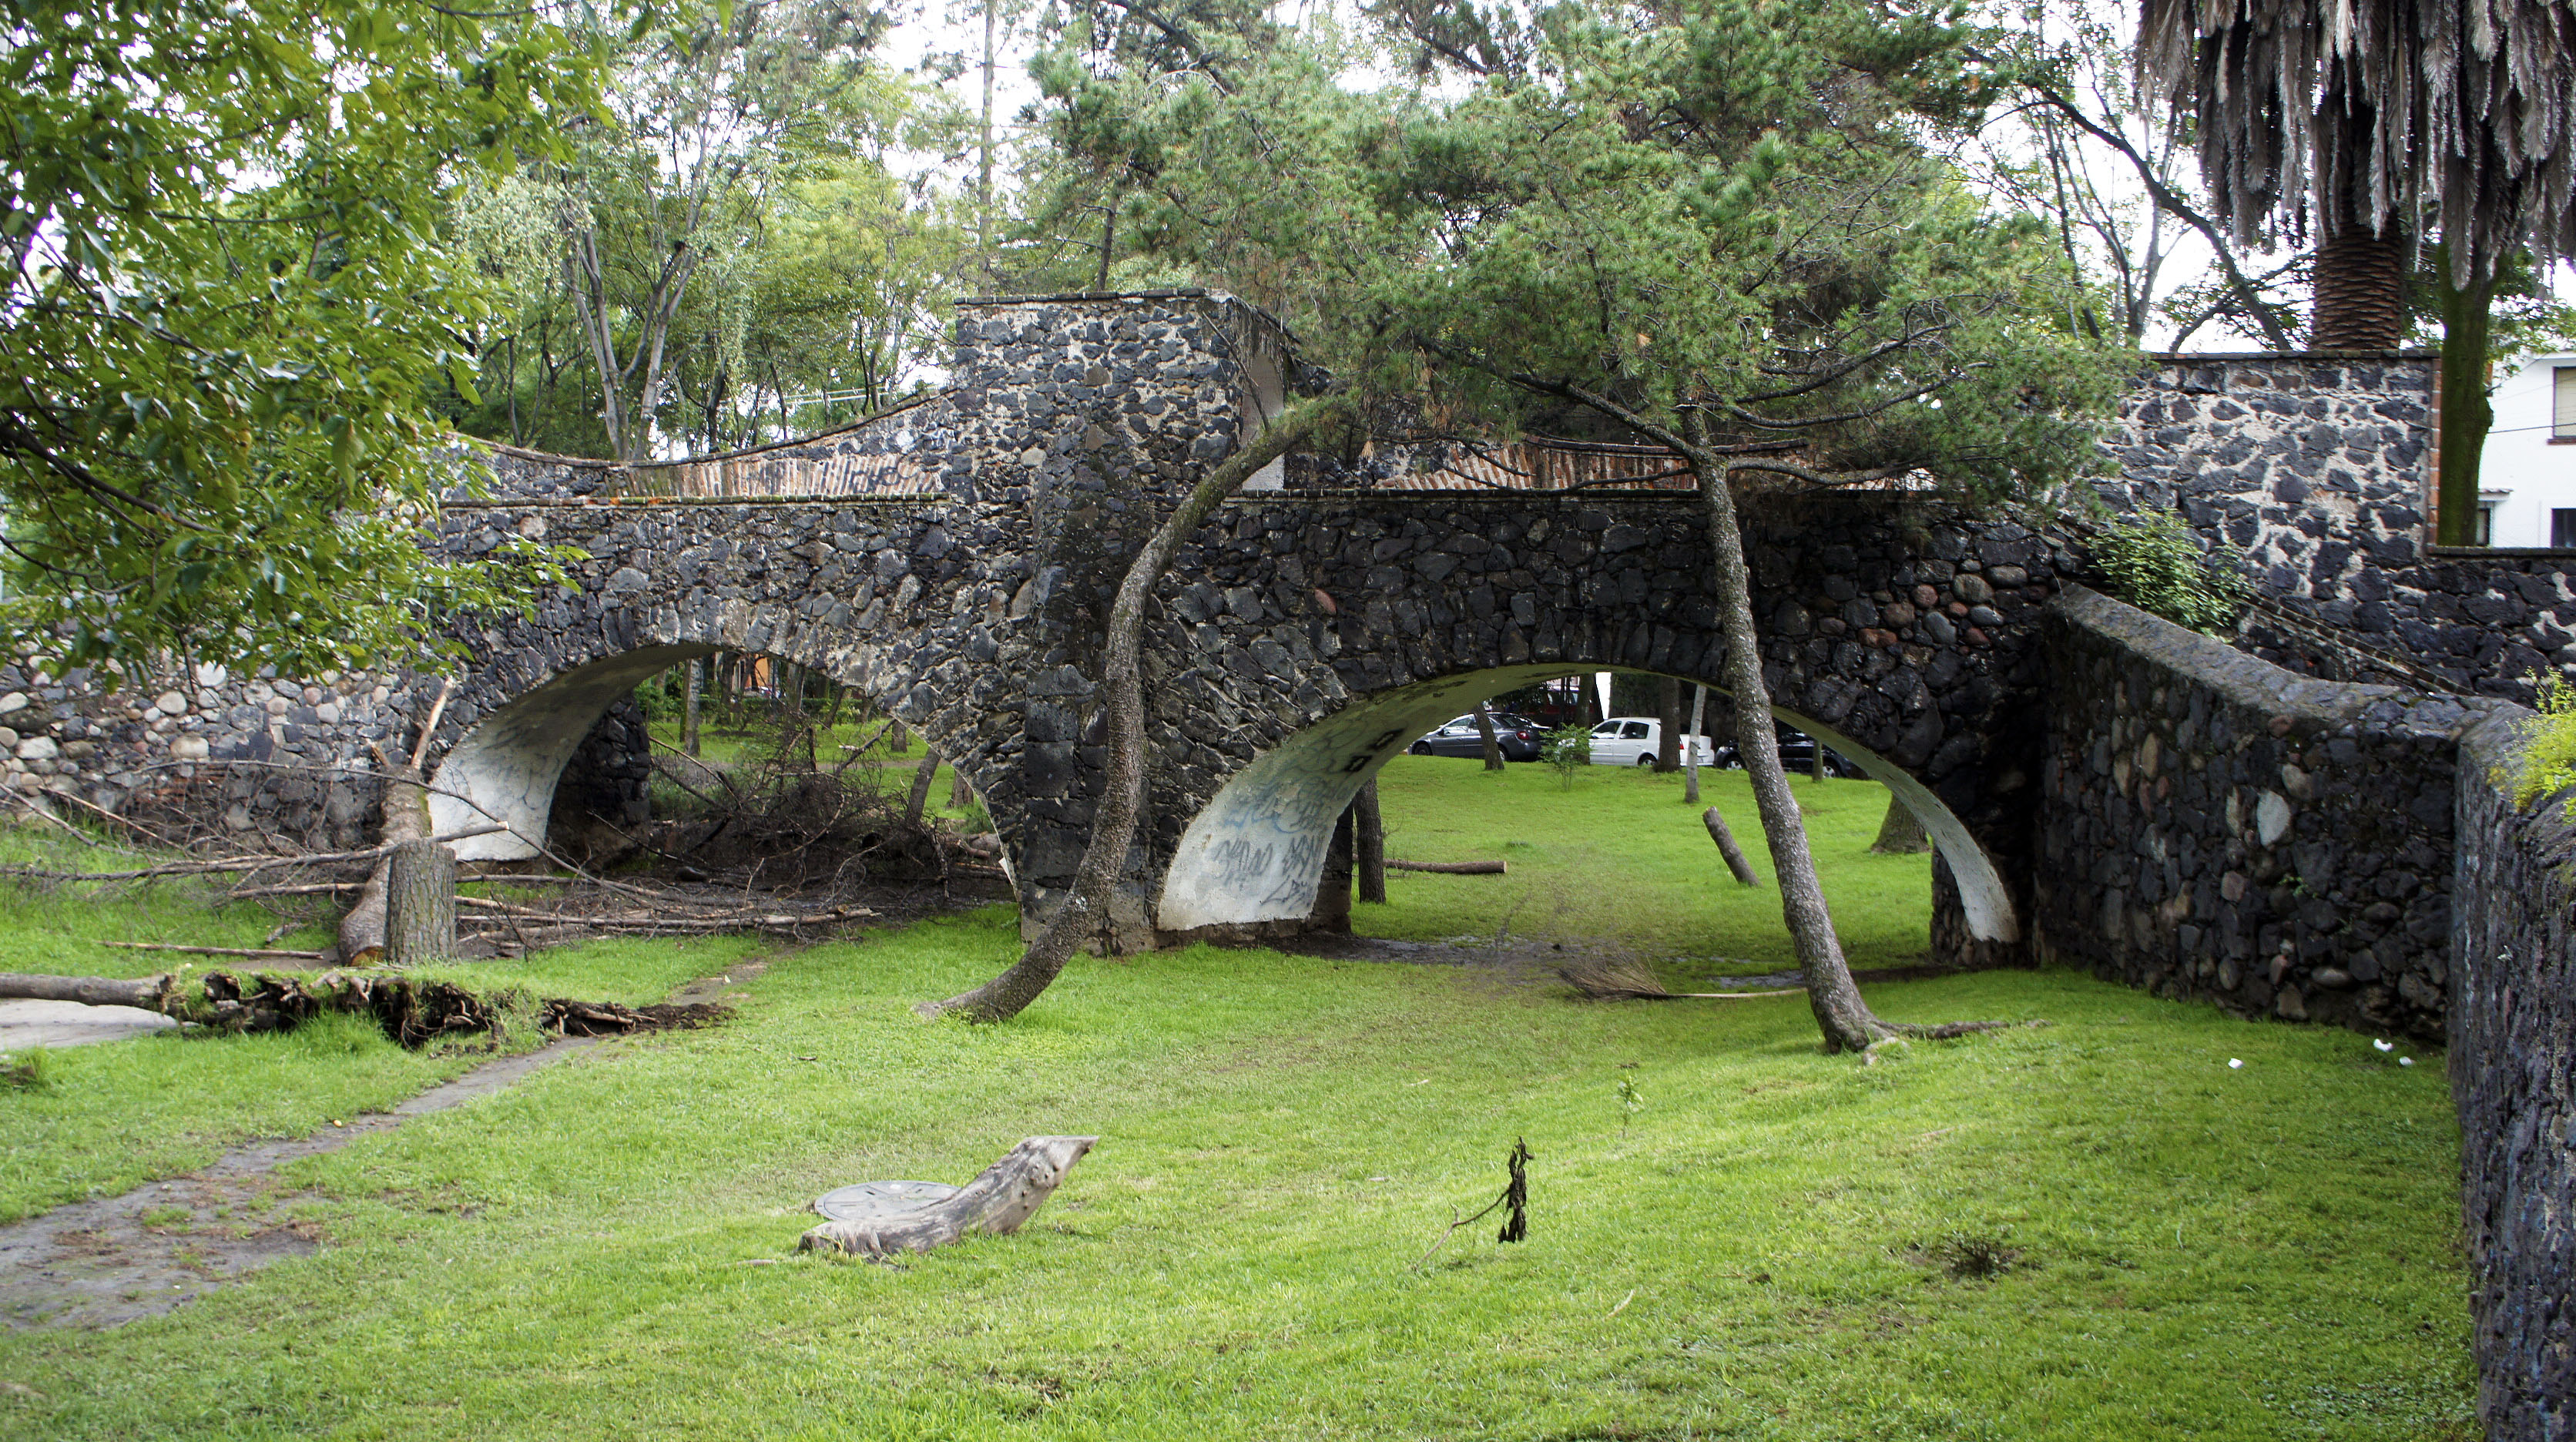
[[1368, 844], [1008, 1193], [1726, 847], [1900, 832], [420, 904], [1333, 890]]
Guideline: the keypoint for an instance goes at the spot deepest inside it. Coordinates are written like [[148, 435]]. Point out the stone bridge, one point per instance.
[[1301, 641], [951, 558]]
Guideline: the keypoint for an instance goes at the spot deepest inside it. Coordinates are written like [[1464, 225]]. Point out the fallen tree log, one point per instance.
[[1453, 868], [1625, 978], [151, 993], [409, 1010], [1008, 1193], [256, 953]]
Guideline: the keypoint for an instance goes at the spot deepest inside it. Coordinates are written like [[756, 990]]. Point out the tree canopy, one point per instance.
[[230, 307]]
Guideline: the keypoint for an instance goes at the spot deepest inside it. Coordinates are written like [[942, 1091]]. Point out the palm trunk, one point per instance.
[[2360, 281], [2466, 414]]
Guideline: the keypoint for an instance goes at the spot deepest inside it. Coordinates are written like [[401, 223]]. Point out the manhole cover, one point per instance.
[[880, 1199]]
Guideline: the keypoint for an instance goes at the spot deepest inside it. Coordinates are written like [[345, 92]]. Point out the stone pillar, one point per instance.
[[1095, 413]]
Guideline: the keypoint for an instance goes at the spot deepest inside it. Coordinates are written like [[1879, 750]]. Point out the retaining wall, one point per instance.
[[2513, 1075], [2215, 827]]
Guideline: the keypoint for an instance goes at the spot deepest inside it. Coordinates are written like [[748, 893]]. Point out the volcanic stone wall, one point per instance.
[[2213, 826], [2513, 1074], [2314, 470]]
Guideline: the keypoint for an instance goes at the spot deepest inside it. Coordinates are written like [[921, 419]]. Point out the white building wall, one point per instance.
[[2527, 471]]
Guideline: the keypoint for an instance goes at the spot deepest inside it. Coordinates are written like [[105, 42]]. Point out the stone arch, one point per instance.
[[1254, 853], [507, 765]]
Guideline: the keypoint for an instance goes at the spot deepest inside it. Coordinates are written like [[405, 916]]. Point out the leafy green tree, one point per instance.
[[229, 311], [728, 257], [714, 109]]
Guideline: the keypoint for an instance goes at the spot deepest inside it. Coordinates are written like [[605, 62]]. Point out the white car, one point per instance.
[[1632, 741]]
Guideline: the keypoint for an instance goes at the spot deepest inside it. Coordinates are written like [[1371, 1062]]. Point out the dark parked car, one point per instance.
[[1797, 755], [1518, 737]]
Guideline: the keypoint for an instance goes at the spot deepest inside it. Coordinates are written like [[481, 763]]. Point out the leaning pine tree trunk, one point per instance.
[[1485, 730], [1122, 794], [919, 800], [1844, 1018]]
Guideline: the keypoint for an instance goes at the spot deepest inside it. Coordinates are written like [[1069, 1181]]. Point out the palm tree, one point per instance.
[[2360, 119], [2353, 118]]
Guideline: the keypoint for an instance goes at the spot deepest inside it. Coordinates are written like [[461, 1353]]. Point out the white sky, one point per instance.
[[956, 26]]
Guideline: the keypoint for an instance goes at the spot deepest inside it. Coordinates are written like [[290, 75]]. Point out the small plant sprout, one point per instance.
[[1631, 1101]]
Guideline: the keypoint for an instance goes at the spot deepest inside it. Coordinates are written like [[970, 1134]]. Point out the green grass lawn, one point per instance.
[[1765, 1248], [1621, 857]]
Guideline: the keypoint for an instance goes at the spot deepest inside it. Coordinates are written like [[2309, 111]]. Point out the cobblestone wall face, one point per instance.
[[2513, 1073], [2214, 826], [2316, 472]]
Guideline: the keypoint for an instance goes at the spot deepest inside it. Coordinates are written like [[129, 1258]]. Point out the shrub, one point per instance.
[[2549, 746], [2155, 561], [1566, 748]]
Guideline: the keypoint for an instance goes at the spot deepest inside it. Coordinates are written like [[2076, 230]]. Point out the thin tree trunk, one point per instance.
[[1485, 730], [689, 707], [1668, 725], [984, 149], [1690, 781], [1733, 854], [1122, 796], [1368, 844], [2467, 415], [1845, 1020], [1333, 890], [420, 903], [914, 804], [960, 795], [1900, 832]]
